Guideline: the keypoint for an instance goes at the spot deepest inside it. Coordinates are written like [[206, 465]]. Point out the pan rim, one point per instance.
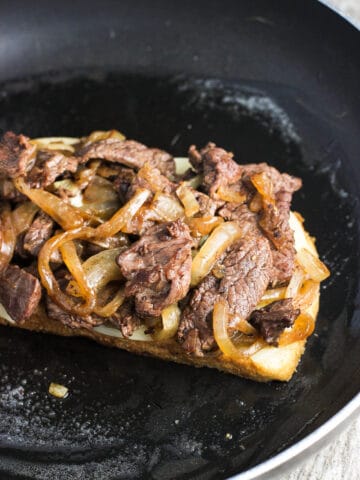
[[308, 445]]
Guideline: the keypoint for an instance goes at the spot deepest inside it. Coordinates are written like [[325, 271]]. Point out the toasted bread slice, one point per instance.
[[269, 363]]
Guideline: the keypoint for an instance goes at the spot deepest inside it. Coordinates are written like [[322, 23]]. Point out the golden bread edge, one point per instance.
[[270, 363]]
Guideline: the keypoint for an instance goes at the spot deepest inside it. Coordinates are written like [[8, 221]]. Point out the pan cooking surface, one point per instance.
[[134, 417]]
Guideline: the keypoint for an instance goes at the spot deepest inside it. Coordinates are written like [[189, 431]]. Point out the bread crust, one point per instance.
[[270, 363]]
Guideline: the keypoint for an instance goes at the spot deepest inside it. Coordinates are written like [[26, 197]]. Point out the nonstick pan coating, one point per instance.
[[273, 81]]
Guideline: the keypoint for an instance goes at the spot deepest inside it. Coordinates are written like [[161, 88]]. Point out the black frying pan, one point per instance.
[[273, 81]]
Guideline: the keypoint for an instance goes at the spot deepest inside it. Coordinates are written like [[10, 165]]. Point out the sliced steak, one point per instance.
[[49, 166], [129, 153], [217, 166], [157, 267], [8, 191], [245, 273], [195, 331], [123, 182], [17, 155], [126, 318], [39, 232], [270, 321], [20, 293]]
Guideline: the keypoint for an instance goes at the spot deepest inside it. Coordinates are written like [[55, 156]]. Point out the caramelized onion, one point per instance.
[[111, 307], [100, 269], [200, 226], [48, 279], [220, 326], [73, 263], [166, 207], [219, 240], [67, 216], [271, 295], [303, 327], [102, 135], [8, 237], [264, 186], [23, 216], [307, 295], [295, 283], [312, 265], [170, 323], [188, 199], [56, 143], [228, 194], [124, 215]]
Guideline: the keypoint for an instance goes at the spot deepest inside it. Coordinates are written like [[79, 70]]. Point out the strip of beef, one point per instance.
[[50, 165], [272, 216], [20, 293], [123, 182], [73, 321], [152, 179], [245, 274], [157, 267], [274, 221], [17, 155], [217, 166], [8, 191], [39, 232], [270, 321], [129, 153], [126, 318]]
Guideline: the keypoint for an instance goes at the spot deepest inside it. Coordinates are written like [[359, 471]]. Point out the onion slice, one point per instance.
[[67, 216], [219, 240], [188, 199], [100, 269], [124, 215], [8, 237], [48, 279], [73, 263], [220, 326], [303, 327], [312, 265], [23, 215], [170, 323]]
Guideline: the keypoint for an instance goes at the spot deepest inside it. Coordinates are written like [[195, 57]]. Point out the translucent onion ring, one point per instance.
[[48, 279], [220, 326], [8, 238]]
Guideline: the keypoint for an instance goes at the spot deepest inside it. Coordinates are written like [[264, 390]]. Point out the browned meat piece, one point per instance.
[[20, 293], [195, 330], [50, 165], [272, 217], [208, 206], [245, 273], [217, 166], [270, 321], [39, 232], [8, 191], [73, 321], [129, 153], [157, 267], [17, 155], [126, 318], [123, 182], [151, 178]]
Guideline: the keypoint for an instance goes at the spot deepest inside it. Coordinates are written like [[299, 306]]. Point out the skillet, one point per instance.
[[273, 81]]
